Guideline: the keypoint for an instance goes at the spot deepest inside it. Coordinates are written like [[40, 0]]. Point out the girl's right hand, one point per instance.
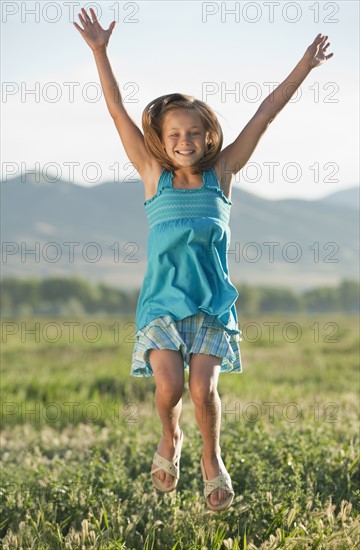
[[93, 33]]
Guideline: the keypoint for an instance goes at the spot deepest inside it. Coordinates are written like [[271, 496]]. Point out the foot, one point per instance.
[[214, 467], [169, 449]]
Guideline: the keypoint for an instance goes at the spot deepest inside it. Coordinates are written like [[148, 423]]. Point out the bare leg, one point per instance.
[[203, 380], [168, 369]]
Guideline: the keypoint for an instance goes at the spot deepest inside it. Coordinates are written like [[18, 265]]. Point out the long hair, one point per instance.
[[152, 122]]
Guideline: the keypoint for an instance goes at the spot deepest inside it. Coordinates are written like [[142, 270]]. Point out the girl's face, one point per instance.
[[183, 137]]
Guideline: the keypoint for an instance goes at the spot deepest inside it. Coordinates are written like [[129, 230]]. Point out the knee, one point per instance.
[[170, 390], [203, 393]]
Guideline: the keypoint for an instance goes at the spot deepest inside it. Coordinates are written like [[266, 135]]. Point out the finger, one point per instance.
[[82, 20], [320, 38], [95, 20], [87, 18], [78, 28]]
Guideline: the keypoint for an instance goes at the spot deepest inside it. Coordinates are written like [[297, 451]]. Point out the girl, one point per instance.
[[186, 317]]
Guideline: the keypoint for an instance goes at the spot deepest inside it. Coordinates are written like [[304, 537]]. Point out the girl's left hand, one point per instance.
[[315, 54]]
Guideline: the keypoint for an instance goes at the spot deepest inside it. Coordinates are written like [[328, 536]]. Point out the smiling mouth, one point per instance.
[[185, 153]]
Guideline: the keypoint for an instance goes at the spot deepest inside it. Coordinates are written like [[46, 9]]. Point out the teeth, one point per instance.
[[185, 152]]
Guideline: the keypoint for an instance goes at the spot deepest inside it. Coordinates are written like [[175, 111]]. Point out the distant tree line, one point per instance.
[[76, 297], [261, 299]]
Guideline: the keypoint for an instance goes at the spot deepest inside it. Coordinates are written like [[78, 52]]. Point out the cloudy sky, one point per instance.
[[228, 54]]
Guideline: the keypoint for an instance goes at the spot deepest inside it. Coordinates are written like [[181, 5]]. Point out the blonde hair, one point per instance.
[[152, 123]]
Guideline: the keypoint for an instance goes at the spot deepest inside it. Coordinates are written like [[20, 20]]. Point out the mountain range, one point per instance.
[[100, 232]]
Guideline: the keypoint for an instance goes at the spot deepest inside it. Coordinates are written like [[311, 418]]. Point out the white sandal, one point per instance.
[[171, 467], [222, 481]]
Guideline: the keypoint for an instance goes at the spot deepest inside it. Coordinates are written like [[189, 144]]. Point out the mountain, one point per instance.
[[348, 197], [101, 233]]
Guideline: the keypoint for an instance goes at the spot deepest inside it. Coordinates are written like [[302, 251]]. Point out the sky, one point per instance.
[[55, 119]]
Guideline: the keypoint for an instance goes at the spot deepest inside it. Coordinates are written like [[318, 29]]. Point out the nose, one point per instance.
[[186, 140]]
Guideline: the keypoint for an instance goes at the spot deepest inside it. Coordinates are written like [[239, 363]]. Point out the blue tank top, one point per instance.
[[187, 269]]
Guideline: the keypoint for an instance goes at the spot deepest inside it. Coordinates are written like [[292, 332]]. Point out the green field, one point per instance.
[[79, 434]]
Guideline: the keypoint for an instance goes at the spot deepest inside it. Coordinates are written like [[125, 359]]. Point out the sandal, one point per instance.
[[171, 467], [222, 481]]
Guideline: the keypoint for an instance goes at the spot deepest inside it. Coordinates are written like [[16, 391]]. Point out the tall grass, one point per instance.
[[79, 434]]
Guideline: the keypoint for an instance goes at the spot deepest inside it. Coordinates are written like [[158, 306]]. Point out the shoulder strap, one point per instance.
[[211, 178], [164, 180]]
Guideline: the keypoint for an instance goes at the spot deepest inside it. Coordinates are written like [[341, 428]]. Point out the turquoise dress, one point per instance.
[[187, 268]]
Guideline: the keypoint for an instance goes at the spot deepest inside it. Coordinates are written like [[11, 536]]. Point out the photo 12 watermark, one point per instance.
[[253, 92], [92, 172], [54, 12], [92, 332], [92, 252], [65, 92], [55, 412], [270, 12]]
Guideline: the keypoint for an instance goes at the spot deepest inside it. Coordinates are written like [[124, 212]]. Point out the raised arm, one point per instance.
[[131, 136], [236, 155]]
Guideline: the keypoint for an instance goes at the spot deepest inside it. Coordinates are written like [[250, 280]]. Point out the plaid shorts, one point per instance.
[[197, 333]]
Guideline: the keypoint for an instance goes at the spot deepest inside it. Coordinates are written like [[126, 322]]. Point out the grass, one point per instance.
[[78, 436]]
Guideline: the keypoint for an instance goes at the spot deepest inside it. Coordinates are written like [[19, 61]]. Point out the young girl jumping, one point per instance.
[[186, 317]]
